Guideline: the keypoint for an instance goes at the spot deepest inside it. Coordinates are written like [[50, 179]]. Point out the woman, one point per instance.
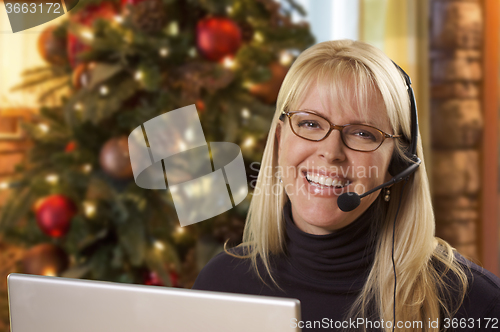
[[297, 243]]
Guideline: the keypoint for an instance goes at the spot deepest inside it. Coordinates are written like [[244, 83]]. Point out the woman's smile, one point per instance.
[[328, 189]]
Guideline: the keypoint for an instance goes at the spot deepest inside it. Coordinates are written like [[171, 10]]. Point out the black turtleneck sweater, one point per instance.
[[327, 272]]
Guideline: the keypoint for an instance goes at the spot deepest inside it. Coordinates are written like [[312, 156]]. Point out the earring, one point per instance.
[[387, 196], [279, 177]]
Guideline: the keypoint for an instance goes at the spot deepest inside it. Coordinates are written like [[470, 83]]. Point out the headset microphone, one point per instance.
[[351, 200]]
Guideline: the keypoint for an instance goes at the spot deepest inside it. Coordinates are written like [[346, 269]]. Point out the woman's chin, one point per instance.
[[318, 215], [323, 227]]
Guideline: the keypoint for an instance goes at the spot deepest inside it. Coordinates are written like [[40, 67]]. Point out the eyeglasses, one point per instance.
[[314, 127]]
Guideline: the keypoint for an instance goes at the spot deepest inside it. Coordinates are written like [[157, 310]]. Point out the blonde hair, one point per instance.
[[422, 288]]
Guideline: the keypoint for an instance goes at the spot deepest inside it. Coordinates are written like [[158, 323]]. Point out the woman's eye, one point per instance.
[[309, 124], [364, 134]]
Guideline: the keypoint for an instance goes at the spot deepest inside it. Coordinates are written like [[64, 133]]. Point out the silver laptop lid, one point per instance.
[[54, 304]]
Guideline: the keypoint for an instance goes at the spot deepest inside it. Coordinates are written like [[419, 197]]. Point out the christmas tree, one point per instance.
[[74, 204]]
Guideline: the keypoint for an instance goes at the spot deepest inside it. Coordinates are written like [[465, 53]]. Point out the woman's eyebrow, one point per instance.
[[351, 122]]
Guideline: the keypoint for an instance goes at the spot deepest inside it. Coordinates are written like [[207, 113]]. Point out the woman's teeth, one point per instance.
[[325, 180]]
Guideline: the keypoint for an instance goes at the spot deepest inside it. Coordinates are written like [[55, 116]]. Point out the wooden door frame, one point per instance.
[[488, 227]]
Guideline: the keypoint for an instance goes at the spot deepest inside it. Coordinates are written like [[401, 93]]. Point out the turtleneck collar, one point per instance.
[[344, 256]]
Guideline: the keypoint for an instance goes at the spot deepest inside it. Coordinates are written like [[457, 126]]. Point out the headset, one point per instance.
[[399, 165]]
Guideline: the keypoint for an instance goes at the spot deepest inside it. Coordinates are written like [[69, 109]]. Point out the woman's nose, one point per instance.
[[332, 148]]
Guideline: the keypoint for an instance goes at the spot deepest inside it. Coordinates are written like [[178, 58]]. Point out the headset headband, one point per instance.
[[413, 110]]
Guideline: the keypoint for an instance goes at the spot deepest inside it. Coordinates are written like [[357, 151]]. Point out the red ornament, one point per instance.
[[45, 259], [75, 47], [217, 37], [174, 279], [152, 279], [70, 147], [124, 3], [200, 106], [54, 214]]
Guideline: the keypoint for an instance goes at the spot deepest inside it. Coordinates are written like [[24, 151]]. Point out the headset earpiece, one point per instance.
[[398, 164]]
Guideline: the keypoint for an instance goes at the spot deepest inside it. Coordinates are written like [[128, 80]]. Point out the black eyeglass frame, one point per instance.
[[338, 127]]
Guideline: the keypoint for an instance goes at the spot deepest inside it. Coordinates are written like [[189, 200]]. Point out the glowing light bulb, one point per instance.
[[245, 113], [163, 52], [118, 19], [285, 58], [43, 127], [89, 208], [228, 62], [192, 52], [52, 178], [189, 134], [87, 34], [173, 28], [4, 185], [104, 90], [159, 245], [258, 36], [139, 75], [87, 168], [249, 142], [78, 106], [49, 271], [248, 84]]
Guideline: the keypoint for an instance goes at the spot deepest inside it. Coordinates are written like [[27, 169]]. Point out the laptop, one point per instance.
[[55, 304]]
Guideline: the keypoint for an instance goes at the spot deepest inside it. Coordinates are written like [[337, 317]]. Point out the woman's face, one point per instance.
[[315, 209]]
